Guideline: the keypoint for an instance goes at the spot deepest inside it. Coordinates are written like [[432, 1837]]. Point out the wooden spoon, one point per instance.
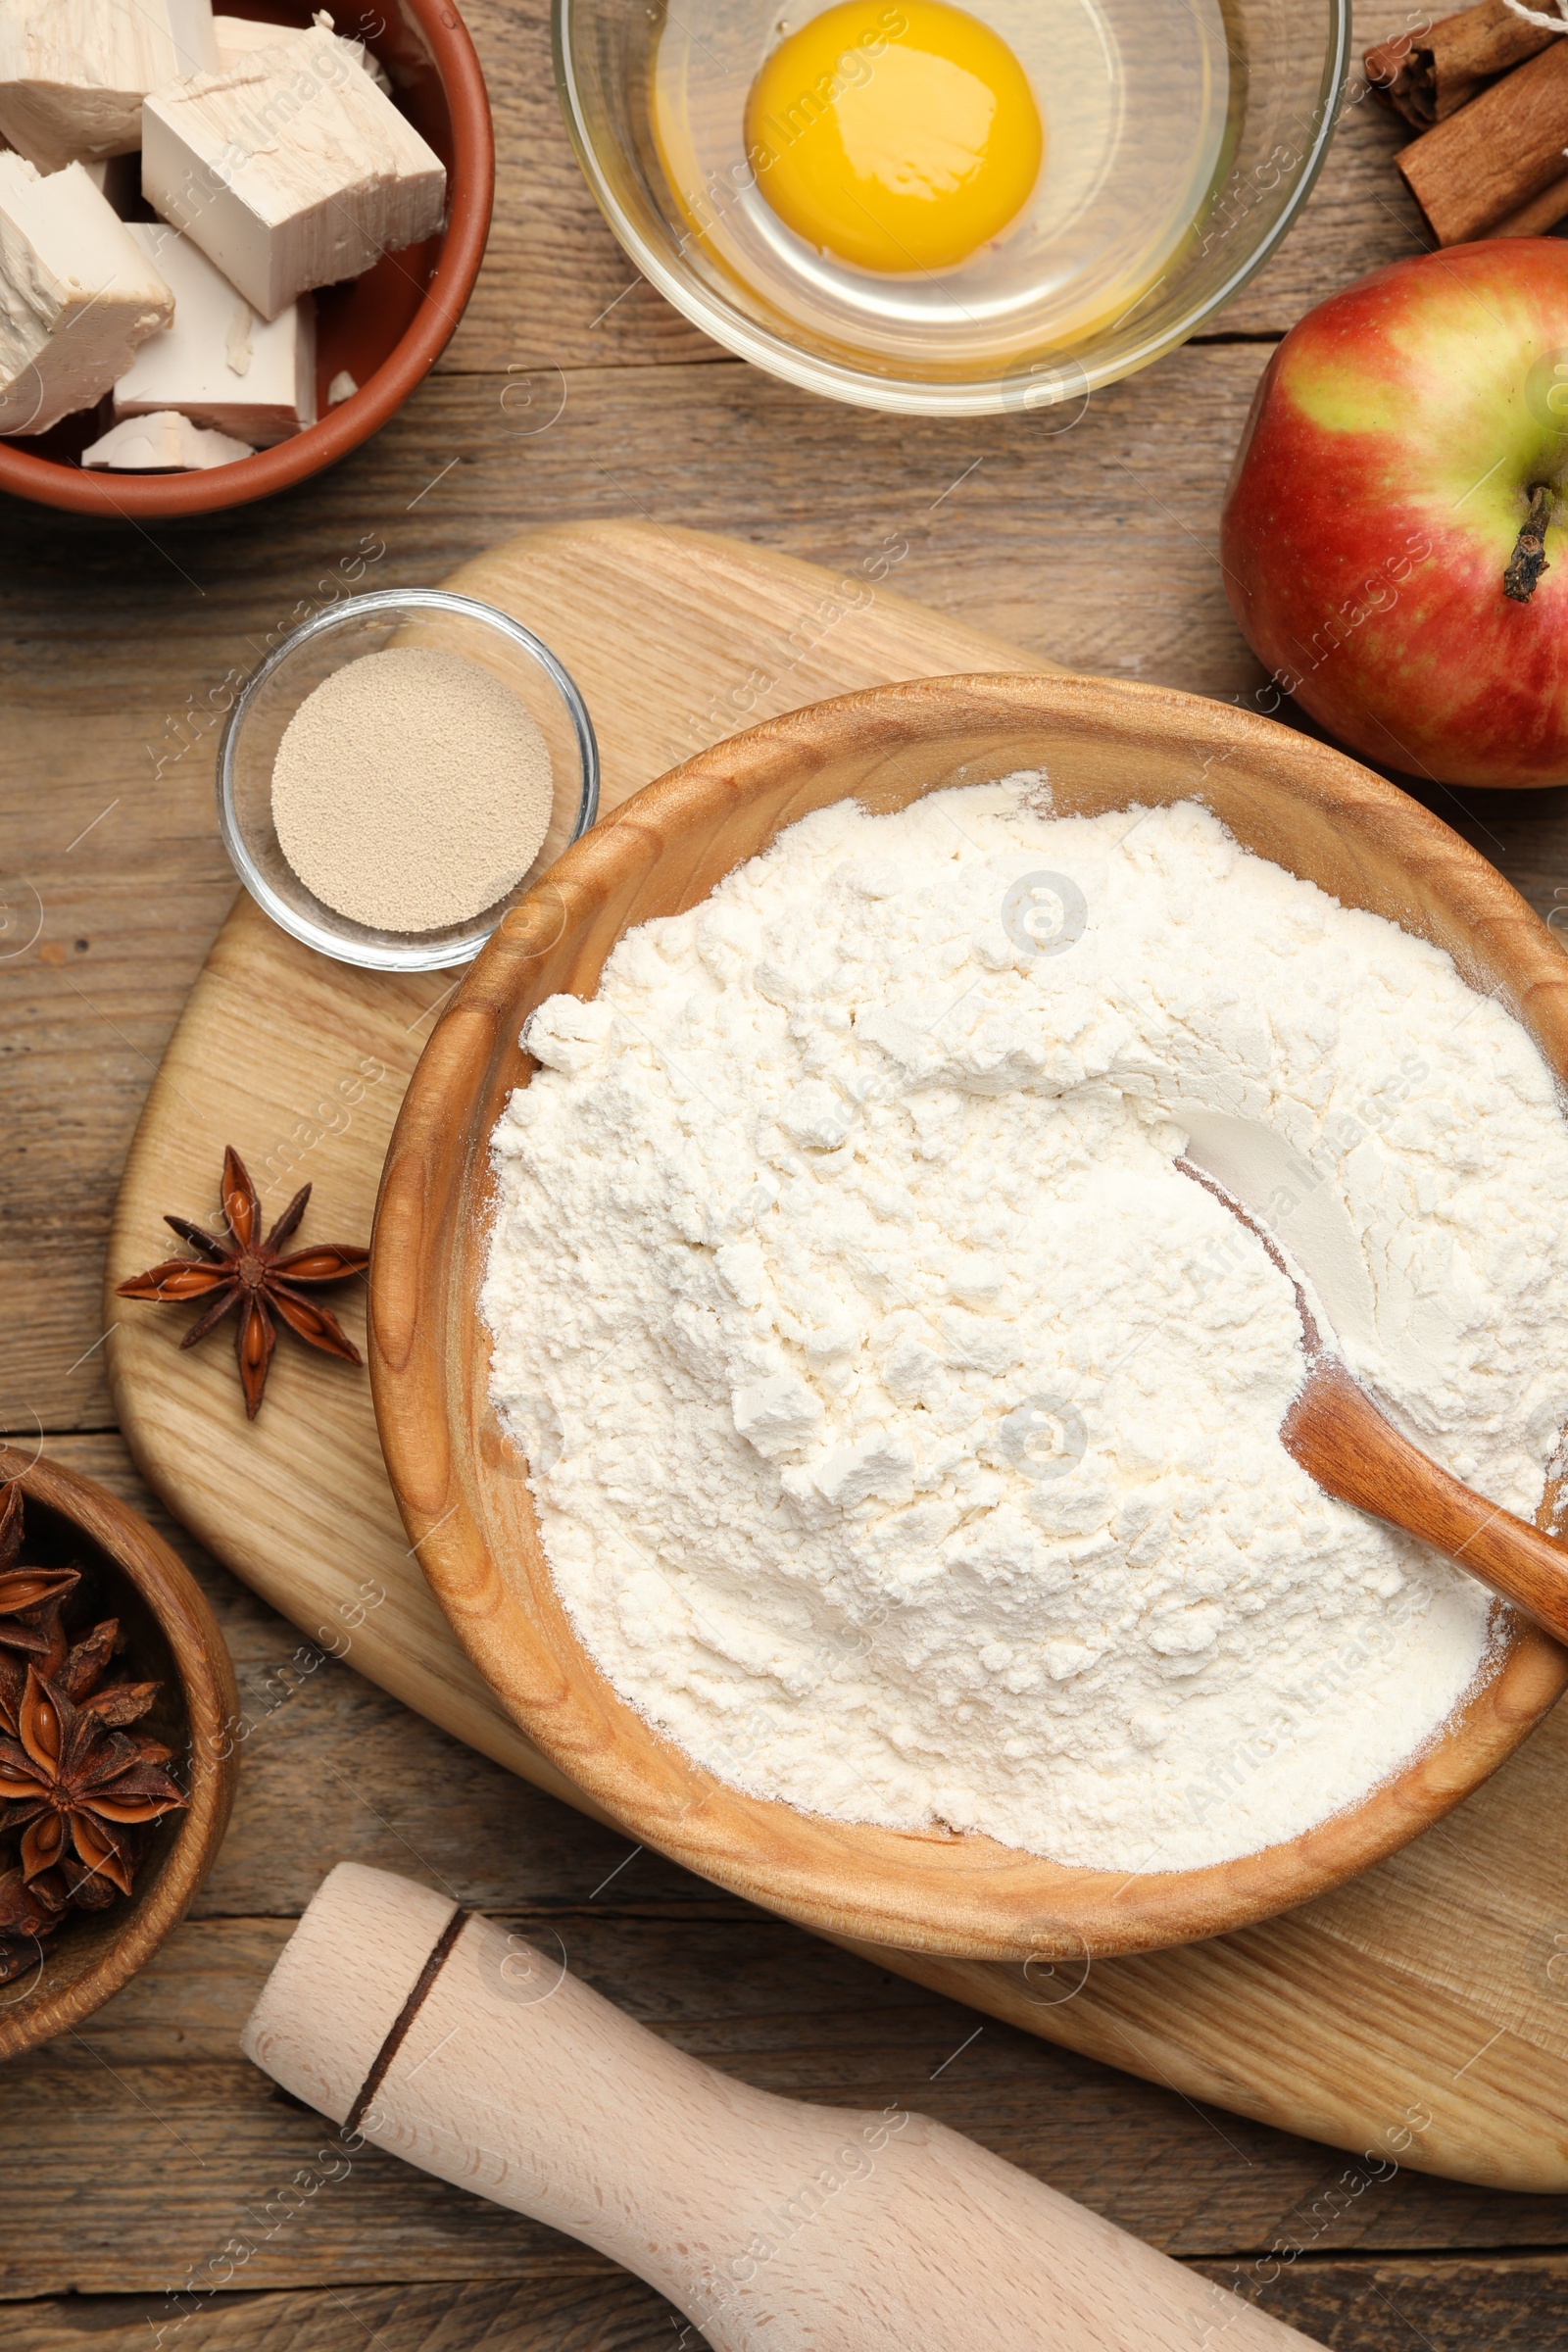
[[1342, 1443]]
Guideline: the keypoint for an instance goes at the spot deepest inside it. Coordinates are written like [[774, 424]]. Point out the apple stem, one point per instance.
[[1529, 559]]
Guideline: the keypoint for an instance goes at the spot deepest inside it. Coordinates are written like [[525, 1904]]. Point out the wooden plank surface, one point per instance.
[[1095, 546]]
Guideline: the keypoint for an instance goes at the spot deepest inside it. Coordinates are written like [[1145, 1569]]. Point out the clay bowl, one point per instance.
[[386, 328], [462, 1486], [129, 1573]]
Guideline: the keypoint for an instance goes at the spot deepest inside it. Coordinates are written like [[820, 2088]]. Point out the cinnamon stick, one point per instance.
[[1427, 76], [1533, 220], [1484, 166]]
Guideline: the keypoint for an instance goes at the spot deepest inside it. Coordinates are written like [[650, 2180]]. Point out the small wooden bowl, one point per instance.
[[172, 1638], [386, 328], [461, 1484]]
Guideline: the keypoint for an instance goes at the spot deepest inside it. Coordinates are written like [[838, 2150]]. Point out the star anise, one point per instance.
[[73, 1783], [29, 1919], [79, 1793], [30, 1599], [243, 1270], [81, 1669]]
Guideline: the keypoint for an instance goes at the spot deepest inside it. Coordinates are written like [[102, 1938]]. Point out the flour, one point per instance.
[[904, 1427]]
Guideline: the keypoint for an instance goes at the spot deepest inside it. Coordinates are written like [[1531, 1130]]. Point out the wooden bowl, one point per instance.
[[173, 1638], [386, 328], [461, 1484]]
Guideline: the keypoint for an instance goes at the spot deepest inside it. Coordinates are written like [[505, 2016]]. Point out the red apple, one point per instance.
[[1403, 438]]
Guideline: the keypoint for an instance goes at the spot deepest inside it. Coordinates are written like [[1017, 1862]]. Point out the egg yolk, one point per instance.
[[896, 137]]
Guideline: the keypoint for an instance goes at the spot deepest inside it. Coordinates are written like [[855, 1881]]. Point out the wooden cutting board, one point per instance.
[[1419, 2015]]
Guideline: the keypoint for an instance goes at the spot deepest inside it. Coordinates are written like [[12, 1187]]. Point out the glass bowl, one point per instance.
[[368, 624], [1050, 311]]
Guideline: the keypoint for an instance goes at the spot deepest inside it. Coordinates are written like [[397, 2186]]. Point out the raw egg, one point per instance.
[[895, 137]]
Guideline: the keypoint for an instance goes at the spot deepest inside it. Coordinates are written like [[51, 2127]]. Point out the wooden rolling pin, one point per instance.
[[773, 2226]]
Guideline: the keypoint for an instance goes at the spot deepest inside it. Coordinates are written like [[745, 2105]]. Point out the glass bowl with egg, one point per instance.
[[949, 211], [397, 770]]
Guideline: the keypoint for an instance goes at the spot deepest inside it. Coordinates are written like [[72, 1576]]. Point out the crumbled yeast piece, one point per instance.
[[165, 443], [292, 169], [239, 37], [219, 363], [77, 295], [74, 73]]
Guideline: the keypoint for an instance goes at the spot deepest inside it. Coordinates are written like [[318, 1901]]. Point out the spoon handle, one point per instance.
[[1337, 1433]]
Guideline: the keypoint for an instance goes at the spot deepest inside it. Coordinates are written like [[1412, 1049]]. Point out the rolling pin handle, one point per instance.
[[772, 2226]]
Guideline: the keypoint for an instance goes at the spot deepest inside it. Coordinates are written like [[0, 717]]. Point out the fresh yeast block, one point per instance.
[[219, 363], [238, 38], [163, 443], [74, 73], [77, 295], [290, 171]]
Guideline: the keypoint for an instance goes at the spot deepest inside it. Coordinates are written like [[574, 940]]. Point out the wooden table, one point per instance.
[[142, 2156]]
